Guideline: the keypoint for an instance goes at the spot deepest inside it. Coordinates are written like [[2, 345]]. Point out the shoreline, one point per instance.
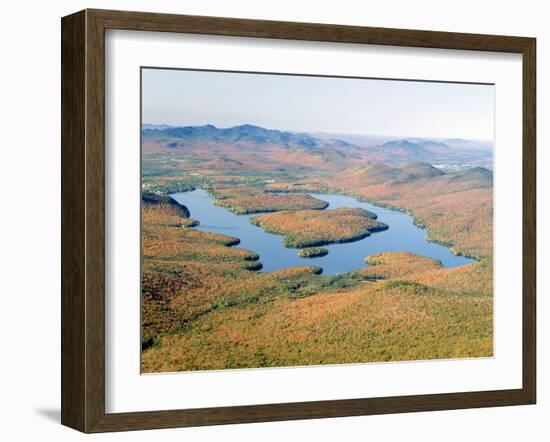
[[360, 198], [356, 238]]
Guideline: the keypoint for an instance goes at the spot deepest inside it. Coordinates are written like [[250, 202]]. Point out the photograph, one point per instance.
[[305, 220]]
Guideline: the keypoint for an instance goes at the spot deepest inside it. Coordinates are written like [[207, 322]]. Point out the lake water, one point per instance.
[[402, 236]]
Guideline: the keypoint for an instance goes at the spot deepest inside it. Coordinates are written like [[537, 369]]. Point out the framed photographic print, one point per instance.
[[269, 220]]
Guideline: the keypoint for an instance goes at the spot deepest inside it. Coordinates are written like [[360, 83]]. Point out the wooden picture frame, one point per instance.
[[83, 220]]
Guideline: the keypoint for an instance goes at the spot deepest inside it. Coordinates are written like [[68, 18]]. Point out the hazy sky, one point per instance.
[[316, 104]]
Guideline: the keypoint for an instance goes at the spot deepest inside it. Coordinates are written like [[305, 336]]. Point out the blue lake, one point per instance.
[[402, 236]]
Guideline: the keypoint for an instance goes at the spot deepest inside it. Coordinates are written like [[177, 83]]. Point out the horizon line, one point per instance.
[[321, 132]]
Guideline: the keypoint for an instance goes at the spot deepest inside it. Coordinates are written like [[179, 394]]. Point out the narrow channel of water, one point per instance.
[[402, 236]]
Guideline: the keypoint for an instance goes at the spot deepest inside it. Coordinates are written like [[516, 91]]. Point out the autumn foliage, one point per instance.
[[313, 252], [270, 202], [205, 307], [307, 228]]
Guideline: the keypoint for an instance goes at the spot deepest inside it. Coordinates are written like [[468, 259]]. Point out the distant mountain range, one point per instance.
[[451, 152], [243, 134], [410, 150], [146, 126]]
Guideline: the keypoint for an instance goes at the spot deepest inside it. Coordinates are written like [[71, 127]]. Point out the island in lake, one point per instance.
[[268, 248]]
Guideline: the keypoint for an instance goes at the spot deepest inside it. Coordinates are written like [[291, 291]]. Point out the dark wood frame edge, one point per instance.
[[83, 216]]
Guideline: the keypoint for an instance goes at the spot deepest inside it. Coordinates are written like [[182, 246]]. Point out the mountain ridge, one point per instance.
[[237, 134], [249, 137]]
